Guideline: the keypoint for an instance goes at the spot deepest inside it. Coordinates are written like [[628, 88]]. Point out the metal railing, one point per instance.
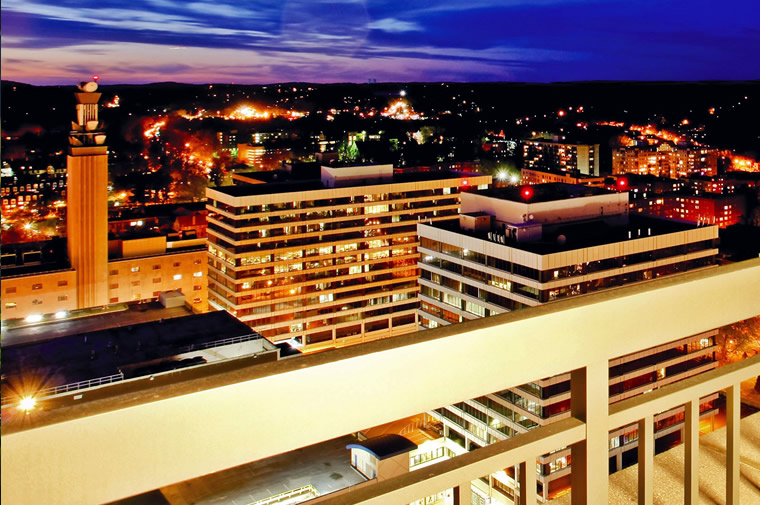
[[65, 388], [219, 343], [307, 492]]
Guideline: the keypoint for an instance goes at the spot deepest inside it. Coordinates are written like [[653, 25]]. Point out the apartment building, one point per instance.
[[520, 247], [665, 160], [326, 261], [561, 157], [528, 176]]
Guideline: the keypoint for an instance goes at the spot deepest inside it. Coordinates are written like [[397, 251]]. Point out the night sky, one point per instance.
[[141, 41]]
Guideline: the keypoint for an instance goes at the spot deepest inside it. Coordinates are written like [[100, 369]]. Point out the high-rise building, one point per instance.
[[520, 247], [561, 157], [326, 261]]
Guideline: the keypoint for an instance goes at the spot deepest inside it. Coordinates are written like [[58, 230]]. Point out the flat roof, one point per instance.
[[293, 186], [94, 352], [547, 192], [580, 235], [385, 446]]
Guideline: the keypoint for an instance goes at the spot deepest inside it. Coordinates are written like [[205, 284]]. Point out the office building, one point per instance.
[[524, 246], [326, 261], [561, 157]]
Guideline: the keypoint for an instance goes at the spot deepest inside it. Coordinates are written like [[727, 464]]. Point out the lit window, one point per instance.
[[197, 288], [36, 286], [10, 305], [198, 274], [197, 300], [135, 269], [177, 277]]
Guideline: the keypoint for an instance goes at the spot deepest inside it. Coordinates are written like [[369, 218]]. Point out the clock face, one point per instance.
[[90, 87]]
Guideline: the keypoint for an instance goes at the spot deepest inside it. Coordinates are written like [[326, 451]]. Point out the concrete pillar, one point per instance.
[[463, 494], [589, 394], [733, 443], [691, 456], [619, 461], [646, 461], [527, 479]]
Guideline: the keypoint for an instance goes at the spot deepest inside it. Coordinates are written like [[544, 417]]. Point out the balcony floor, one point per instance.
[[669, 467]]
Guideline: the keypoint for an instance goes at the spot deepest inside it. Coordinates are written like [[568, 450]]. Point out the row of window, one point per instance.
[[36, 301], [155, 267], [35, 287]]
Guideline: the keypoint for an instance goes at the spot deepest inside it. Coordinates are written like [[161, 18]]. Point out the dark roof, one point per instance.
[[287, 185], [99, 352], [548, 192], [385, 446], [584, 234]]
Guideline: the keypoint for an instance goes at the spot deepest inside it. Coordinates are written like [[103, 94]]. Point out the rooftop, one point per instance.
[[539, 193], [283, 184], [580, 235], [88, 352]]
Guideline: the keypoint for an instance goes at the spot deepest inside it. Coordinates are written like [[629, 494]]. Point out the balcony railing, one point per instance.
[[150, 434]]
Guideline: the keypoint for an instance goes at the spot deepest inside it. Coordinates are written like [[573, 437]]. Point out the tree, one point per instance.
[[348, 151]]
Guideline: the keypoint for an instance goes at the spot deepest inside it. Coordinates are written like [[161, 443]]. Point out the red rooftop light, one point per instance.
[[527, 192], [622, 183]]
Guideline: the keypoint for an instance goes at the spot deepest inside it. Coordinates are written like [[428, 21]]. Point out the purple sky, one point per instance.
[[65, 41]]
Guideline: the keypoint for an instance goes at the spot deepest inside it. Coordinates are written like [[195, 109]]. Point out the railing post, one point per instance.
[[589, 393], [691, 454], [733, 443], [527, 479], [463, 494], [646, 461]]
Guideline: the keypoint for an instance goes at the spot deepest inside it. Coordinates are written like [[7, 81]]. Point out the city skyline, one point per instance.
[[354, 41]]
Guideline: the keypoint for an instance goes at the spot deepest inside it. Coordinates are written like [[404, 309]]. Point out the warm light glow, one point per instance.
[[27, 403], [33, 318], [400, 109], [527, 192], [61, 314]]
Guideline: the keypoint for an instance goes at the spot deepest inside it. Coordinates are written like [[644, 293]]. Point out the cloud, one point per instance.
[[393, 25]]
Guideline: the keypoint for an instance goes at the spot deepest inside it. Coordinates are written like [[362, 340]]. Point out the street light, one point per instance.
[[27, 403]]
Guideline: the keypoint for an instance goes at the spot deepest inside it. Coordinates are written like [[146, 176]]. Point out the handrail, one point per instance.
[[65, 388]]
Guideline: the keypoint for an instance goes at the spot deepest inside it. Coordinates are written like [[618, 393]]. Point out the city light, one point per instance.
[[27, 403], [61, 314], [502, 175], [33, 318], [527, 192]]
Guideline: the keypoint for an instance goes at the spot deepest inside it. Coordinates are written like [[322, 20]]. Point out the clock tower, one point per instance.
[[87, 200]]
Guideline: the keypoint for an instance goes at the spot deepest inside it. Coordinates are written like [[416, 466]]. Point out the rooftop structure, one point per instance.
[[330, 261], [81, 353]]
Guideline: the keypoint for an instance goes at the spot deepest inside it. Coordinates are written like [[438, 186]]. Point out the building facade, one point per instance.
[[511, 249], [561, 157], [665, 160], [326, 262]]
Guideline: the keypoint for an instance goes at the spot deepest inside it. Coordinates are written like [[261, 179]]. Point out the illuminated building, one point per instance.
[[99, 272], [664, 160], [721, 210], [514, 248], [562, 157], [533, 176], [261, 157], [87, 200], [329, 261]]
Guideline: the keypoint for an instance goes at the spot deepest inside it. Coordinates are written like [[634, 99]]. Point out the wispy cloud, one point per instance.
[[393, 25]]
